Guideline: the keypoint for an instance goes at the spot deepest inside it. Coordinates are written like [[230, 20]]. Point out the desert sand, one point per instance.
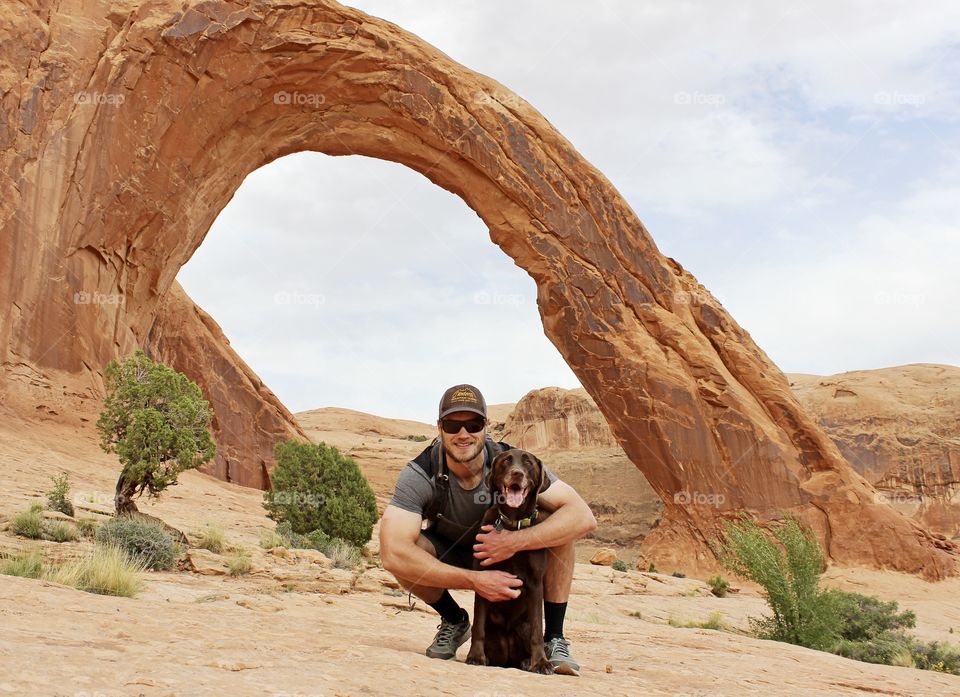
[[293, 627]]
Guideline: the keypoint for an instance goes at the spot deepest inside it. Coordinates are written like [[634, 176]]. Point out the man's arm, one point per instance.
[[570, 519], [401, 556]]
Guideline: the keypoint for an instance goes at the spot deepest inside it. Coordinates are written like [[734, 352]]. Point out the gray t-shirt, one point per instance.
[[464, 510]]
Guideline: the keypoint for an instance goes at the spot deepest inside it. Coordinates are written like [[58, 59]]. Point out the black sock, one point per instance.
[[448, 608], [553, 617]]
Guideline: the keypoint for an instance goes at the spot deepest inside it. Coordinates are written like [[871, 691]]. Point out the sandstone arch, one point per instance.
[[112, 198]]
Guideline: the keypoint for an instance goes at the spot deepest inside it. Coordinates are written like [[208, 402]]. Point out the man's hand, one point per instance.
[[497, 586], [494, 546]]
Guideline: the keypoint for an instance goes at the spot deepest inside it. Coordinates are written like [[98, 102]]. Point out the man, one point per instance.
[[428, 562]]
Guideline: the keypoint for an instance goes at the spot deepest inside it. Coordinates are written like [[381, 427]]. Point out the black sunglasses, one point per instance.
[[453, 426]]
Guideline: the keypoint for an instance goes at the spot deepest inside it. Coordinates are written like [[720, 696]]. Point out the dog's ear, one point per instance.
[[543, 481], [491, 475]]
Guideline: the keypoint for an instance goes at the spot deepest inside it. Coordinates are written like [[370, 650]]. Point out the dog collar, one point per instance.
[[504, 522]]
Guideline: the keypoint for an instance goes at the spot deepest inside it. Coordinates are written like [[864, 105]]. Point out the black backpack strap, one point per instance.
[[436, 461]]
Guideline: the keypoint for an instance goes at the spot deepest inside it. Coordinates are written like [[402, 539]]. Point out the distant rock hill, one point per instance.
[[899, 428]]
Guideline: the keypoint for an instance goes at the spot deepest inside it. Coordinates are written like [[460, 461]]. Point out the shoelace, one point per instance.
[[446, 631], [560, 648]]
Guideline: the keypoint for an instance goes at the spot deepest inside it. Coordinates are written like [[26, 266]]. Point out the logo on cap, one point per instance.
[[464, 394]]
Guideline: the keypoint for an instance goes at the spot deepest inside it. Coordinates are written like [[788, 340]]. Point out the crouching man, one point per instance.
[[445, 486]]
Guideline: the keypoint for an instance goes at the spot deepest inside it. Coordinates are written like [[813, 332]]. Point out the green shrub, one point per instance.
[[718, 586], [417, 439], [343, 554], [28, 523], [788, 567], [890, 648], [143, 539], [315, 487], [156, 420], [57, 497], [678, 574], [936, 655], [213, 538], [28, 564], [61, 531], [619, 565], [864, 617], [652, 568]]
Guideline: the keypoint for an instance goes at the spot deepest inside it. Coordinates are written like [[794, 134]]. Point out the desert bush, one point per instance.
[[316, 487], [936, 655], [58, 497], [270, 539], [28, 523], [678, 574], [143, 539], [61, 531], [714, 621], [213, 538], [718, 586], [157, 422], [107, 570], [239, 563], [619, 565], [652, 568], [87, 526], [343, 554], [788, 566], [865, 617], [28, 564]]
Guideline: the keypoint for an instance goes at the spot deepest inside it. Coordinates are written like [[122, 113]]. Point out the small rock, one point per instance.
[[203, 561], [609, 668], [604, 557]]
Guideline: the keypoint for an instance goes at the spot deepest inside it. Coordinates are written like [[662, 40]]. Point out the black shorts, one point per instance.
[[449, 553]]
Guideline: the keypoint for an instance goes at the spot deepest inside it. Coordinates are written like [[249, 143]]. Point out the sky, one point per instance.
[[802, 162]]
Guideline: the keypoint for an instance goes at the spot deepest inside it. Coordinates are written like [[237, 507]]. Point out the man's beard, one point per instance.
[[470, 455]]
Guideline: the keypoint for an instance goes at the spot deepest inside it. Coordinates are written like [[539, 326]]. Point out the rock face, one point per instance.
[[248, 419], [126, 128], [899, 428], [552, 418]]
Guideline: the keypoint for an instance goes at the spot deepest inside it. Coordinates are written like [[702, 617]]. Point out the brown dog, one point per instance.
[[510, 633]]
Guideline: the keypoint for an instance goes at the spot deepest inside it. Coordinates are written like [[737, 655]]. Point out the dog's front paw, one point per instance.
[[476, 658], [543, 666]]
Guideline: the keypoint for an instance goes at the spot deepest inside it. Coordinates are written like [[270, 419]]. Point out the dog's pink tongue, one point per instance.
[[514, 497]]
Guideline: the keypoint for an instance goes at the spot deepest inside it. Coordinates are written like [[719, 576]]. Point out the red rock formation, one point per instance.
[[249, 419], [552, 418], [899, 428], [126, 128]]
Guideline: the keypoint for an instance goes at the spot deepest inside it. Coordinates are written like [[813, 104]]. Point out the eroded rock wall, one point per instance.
[[126, 128]]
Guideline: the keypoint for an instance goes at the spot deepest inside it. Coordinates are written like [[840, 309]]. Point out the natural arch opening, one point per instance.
[[214, 91]]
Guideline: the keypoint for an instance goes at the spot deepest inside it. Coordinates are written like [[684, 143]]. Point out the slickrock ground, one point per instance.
[[293, 627]]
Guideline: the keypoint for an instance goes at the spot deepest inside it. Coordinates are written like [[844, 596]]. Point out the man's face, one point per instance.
[[462, 446]]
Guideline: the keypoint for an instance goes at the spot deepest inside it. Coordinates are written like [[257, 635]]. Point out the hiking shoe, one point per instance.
[[558, 653], [450, 638]]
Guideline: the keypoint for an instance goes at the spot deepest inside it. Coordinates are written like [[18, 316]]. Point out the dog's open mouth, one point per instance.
[[514, 495]]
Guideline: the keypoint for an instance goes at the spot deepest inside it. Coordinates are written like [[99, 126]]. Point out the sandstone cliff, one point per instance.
[[126, 128]]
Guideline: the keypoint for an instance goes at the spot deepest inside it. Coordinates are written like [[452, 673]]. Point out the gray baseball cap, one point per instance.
[[462, 398]]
